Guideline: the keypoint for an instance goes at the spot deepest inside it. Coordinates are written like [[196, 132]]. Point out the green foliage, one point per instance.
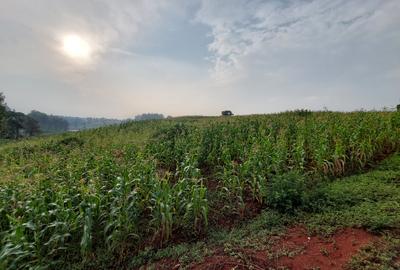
[[117, 190], [14, 125], [302, 112], [377, 194], [71, 142], [287, 192], [380, 255], [395, 120], [2, 113], [368, 200], [49, 123], [149, 116]]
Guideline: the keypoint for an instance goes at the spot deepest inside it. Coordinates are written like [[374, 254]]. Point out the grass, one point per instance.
[[380, 255], [370, 200]]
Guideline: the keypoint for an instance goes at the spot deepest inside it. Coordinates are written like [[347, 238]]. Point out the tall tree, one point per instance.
[[14, 124], [2, 113], [31, 126]]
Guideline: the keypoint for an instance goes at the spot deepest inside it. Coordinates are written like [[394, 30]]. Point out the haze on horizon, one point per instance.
[[120, 58]]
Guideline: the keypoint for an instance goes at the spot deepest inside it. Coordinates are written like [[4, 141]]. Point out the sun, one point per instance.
[[76, 47]]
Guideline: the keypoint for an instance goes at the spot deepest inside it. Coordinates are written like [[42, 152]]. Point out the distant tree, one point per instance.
[[79, 123], [14, 125], [31, 126], [302, 112], [398, 108], [2, 113], [49, 123], [149, 116]]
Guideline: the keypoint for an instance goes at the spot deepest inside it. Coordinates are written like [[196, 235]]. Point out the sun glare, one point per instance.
[[76, 47]]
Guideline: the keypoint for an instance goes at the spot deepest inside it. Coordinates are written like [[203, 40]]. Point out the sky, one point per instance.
[[116, 59]]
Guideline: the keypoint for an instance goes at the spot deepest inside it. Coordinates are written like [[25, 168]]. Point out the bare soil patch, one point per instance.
[[297, 250], [323, 253]]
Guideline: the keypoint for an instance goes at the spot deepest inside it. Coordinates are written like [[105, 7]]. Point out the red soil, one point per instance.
[[330, 253], [297, 251]]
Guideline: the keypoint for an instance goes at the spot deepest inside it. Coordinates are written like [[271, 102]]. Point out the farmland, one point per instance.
[[130, 195]]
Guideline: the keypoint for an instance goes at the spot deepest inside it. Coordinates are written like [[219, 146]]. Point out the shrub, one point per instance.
[[287, 192]]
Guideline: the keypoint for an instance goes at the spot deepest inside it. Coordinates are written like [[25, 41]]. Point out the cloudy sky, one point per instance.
[[180, 57]]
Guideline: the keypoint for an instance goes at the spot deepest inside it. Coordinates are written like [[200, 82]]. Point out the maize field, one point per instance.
[[121, 189]]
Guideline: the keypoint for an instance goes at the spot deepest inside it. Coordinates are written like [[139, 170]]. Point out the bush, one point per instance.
[[71, 141], [395, 120], [303, 112], [287, 192]]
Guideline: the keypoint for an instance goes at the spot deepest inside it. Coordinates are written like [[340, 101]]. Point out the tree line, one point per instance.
[[149, 116], [80, 123], [49, 123], [15, 125]]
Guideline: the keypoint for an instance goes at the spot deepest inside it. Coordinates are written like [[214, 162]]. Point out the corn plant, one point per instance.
[[162, 211]]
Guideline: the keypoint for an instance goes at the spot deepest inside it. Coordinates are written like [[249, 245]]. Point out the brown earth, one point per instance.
[[326, 253], [297, 251]]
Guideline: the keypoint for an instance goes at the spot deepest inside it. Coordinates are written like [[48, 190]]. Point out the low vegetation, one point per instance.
[[98, 197]]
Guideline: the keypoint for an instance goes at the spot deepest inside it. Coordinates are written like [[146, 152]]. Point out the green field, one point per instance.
[[129, 195]]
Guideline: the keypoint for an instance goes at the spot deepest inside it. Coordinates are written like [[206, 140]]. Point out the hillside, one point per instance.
[[252, 192]]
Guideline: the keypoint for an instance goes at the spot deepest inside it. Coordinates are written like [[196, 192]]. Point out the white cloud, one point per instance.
[[333, 53], [262, 30]]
